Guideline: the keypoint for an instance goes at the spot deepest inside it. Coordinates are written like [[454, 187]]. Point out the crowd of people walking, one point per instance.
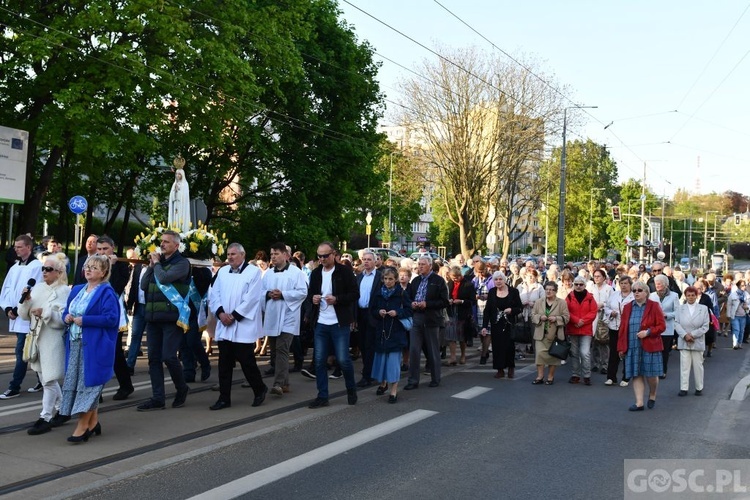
[[343, 307]]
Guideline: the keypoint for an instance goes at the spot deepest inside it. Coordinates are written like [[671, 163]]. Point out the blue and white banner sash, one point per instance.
[[171, 293]]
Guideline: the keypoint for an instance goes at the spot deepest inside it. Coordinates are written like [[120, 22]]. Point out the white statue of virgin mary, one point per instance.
[[179, 199]]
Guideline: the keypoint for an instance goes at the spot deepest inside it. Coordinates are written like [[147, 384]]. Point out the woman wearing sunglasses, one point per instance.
[[44, 308], [639, 343]]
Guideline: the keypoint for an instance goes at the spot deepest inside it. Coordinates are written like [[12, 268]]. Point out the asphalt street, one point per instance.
[[498, 438]]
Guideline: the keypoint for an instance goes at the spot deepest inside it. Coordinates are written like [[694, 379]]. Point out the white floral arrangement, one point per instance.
[[199, 244]]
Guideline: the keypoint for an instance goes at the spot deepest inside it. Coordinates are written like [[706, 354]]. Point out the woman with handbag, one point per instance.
[[601, 291], [503, 305], [612, 315], [93, 317], [390, 307], [639, 344], [44, 309], [461, 298], [549, 317], [691, 327]]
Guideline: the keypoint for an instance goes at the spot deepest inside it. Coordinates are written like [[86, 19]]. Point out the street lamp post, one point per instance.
[[591, 219], [390, 201], [563, 172], [368, 219], [705, 233]]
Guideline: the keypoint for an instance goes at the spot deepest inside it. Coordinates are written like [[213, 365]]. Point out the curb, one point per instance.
[[739, 393]]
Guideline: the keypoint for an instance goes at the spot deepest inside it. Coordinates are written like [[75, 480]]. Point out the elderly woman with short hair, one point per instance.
[[691, 327], [639, 344], [669, 302], [503, 305], [549, 316]]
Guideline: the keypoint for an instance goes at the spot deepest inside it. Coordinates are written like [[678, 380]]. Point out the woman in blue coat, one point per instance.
[[93, 317], [389, 306]]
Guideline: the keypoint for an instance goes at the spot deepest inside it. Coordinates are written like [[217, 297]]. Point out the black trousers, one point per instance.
[[614, 357], [244, 354], [122, 372], [366, 341]]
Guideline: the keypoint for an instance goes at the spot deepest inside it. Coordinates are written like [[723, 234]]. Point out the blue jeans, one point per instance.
[[738, 329], [163, 342], [326, 335], [19, 372], [580, 355], [137, 327]]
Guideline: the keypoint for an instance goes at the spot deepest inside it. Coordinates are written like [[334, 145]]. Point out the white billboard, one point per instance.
[[14, 150]]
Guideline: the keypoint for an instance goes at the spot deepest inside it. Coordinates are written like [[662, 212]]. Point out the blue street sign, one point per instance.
[[78, 204]]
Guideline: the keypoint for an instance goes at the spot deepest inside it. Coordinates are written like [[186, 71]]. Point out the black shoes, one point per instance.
[[58, 420], [122, 394], [381, 390], [258, 400], [699, 392], [351, 396], [307, 373], [483, 360], [270, 371], [411, 387], [433, 384], [40, 427], [150, 405], [318, 403], [682, 393], [337, 373], [392, 399], [651, 403], [96, 430], [365, 382], [205, 373], [80, 439], [180, 398], [220, 405]]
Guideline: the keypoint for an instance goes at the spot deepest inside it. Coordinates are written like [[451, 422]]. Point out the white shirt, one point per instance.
[[327, 314], [15, 281], [283, 315], [240, 293]]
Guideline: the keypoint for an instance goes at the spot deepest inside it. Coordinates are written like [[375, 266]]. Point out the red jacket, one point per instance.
[[585, 310], [653, 319]]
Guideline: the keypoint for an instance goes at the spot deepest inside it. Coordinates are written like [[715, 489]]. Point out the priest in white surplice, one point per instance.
[[235, 299], [284, 291]]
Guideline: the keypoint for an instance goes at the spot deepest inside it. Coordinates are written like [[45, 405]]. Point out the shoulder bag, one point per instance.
[[31, 344], [560, 349]]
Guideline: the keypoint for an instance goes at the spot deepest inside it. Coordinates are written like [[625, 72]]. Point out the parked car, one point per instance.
[[385, 253], [432, 255]]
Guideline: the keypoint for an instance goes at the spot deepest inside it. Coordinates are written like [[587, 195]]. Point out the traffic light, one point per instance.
[[616, 214], [737, 219]]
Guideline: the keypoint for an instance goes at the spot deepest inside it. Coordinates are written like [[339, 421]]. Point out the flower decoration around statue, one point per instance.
[[201, 245]]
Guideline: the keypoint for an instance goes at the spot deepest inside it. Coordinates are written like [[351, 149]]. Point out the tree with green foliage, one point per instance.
[[591, 188]]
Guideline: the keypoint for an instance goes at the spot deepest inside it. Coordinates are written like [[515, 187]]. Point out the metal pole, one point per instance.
[[641, 253], [591, 220], [390, 199], [546, 229], [10, 223], [77, 238], [561, 205], [715, 220]]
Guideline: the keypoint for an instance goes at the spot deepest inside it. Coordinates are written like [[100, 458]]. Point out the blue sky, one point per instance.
[[672, 76]]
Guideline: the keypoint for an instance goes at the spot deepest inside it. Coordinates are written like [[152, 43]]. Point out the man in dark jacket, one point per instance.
[[118, 279], [369, 282], [333, 292], [163, 334], [658, 268], [430, 294]]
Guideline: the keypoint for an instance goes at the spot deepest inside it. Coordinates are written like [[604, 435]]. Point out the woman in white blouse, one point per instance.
[[691, 326], [600, 343]]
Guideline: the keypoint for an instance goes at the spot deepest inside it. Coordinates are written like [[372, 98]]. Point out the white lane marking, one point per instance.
[[471, 393], [281, 470]]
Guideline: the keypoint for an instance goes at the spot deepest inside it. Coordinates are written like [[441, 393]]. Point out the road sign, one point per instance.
[[78, 204]]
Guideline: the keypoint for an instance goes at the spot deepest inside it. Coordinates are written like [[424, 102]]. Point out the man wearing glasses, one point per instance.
[[334, 293], [118, 279], [166, 282], [658, 268]]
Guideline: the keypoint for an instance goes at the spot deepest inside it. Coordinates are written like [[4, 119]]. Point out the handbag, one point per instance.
[[560, 349], [407, 322], [714, 321], [31, 344], [601, 335], [521, 331]]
